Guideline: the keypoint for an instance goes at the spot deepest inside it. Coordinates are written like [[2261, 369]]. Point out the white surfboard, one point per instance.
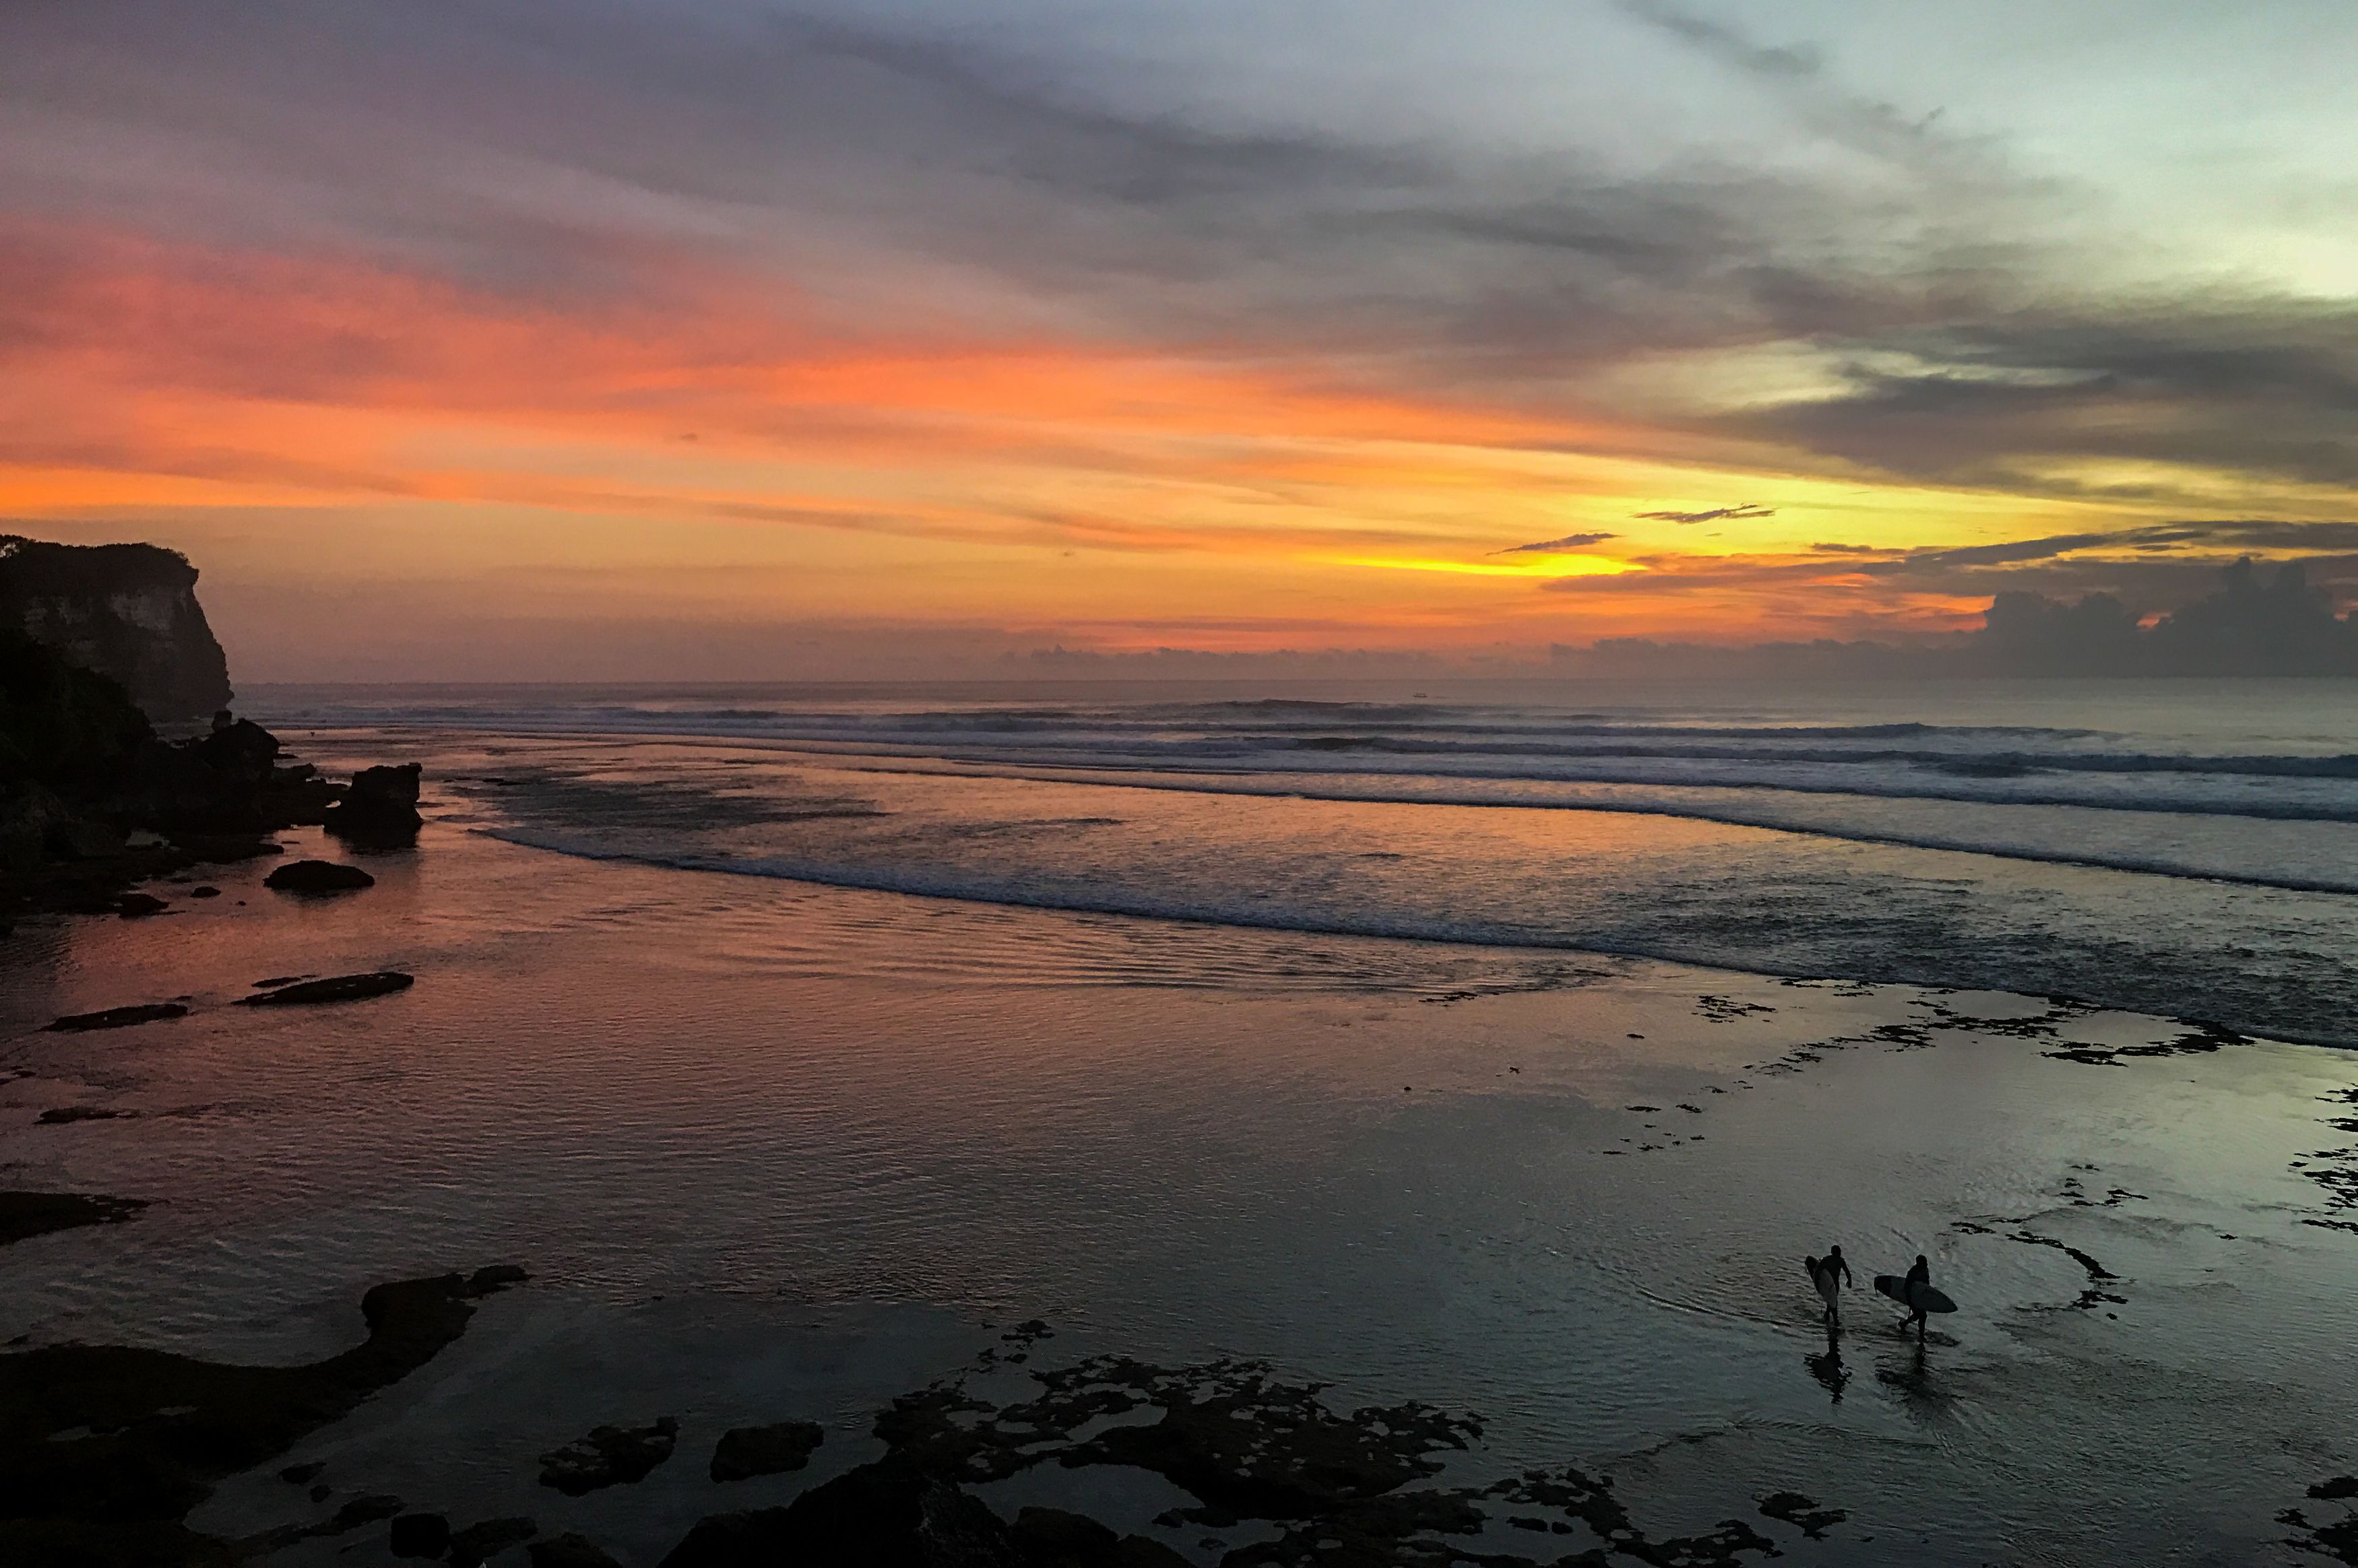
[[1896, 1286], [1825, 1277]]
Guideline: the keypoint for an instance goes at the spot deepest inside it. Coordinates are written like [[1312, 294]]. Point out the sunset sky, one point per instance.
[[730, 339]]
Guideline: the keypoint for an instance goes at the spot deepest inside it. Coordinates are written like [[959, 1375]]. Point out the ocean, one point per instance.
[[2184, 848]]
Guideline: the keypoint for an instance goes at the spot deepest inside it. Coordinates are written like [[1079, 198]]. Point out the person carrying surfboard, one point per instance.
[[1827, 1276], [1920, 1274], [1914, 1291]]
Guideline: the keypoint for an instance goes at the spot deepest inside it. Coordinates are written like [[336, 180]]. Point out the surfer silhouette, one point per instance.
[[1915, 1291], [1827, 1276]]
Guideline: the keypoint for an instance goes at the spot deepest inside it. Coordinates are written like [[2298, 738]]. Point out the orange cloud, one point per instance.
[[717, 444]]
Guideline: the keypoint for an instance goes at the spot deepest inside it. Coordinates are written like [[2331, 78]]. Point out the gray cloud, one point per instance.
[[1546, 547], [961, 159], [1714, 515]]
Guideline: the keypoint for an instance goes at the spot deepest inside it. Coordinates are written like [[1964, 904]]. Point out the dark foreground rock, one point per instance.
[[335, 988], [119, 1017], [609, 1457], [317, 877], [472, 1547], [379, 810], [745, 1452], [419, 1535], [890, 1514], [92, 801], [104, 1449], [571, 1551], [24, 1214], [1321, 1488]]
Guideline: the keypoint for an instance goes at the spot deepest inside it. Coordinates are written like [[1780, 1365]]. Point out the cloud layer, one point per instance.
[[1035, 316]]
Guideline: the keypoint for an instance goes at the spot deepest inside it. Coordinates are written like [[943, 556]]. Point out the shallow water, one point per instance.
[[2183, 848], [717, 1114]]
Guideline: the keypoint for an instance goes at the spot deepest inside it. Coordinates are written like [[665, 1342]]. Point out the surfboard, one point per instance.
[[1825, 1279], [1895, 1287]]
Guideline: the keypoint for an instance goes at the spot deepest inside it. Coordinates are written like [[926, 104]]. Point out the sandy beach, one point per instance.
[[772, 1152]]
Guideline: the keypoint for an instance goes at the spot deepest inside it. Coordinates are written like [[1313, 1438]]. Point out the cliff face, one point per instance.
[[128, 612]]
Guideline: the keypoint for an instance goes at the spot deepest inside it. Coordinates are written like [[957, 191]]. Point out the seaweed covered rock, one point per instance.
[[745, 1452], [889, 1514], [609, 1457]]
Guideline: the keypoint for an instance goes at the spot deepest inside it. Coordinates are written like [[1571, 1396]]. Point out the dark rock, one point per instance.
[[1795, 1509], [67, 728], [66, 1114], [362, 1510], [77, 838], [745, 1452], [571, 1551], [335, 988], [137, 905], [317, 876], [296, 1475], [419, 1535], [609, 1457], [483, 1282], [118, 1017], [239, 748], [379, 809], [471, 1547], [155, 1430], [24, 1214], [1051, 1538], [889, 1514], [80, 767], [204, 890]]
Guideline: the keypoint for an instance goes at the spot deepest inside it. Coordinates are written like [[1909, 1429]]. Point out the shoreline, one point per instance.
[[1496, 926]]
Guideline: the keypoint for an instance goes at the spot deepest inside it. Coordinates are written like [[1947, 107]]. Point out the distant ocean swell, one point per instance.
[[2010, 765], [1732, 814], [2175, 850]]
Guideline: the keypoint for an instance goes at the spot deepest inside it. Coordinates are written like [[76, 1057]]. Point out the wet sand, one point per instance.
[[776, 1153]]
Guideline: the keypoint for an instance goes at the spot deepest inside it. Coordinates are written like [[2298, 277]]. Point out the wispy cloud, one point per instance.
[[1554, 546], [1716, 515]]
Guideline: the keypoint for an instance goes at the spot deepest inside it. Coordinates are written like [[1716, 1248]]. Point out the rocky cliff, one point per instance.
[[128, 612]]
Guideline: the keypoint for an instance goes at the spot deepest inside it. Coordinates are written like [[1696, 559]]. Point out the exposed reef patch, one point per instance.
[[25, 1214], [609, 1457], [104, 1449], [118, 1017], [745, 1452], [335, 988], [1342, 1490]]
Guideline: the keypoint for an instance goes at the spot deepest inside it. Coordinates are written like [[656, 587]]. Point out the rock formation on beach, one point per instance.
[[92, 800], [98, 643], [128, 612]]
